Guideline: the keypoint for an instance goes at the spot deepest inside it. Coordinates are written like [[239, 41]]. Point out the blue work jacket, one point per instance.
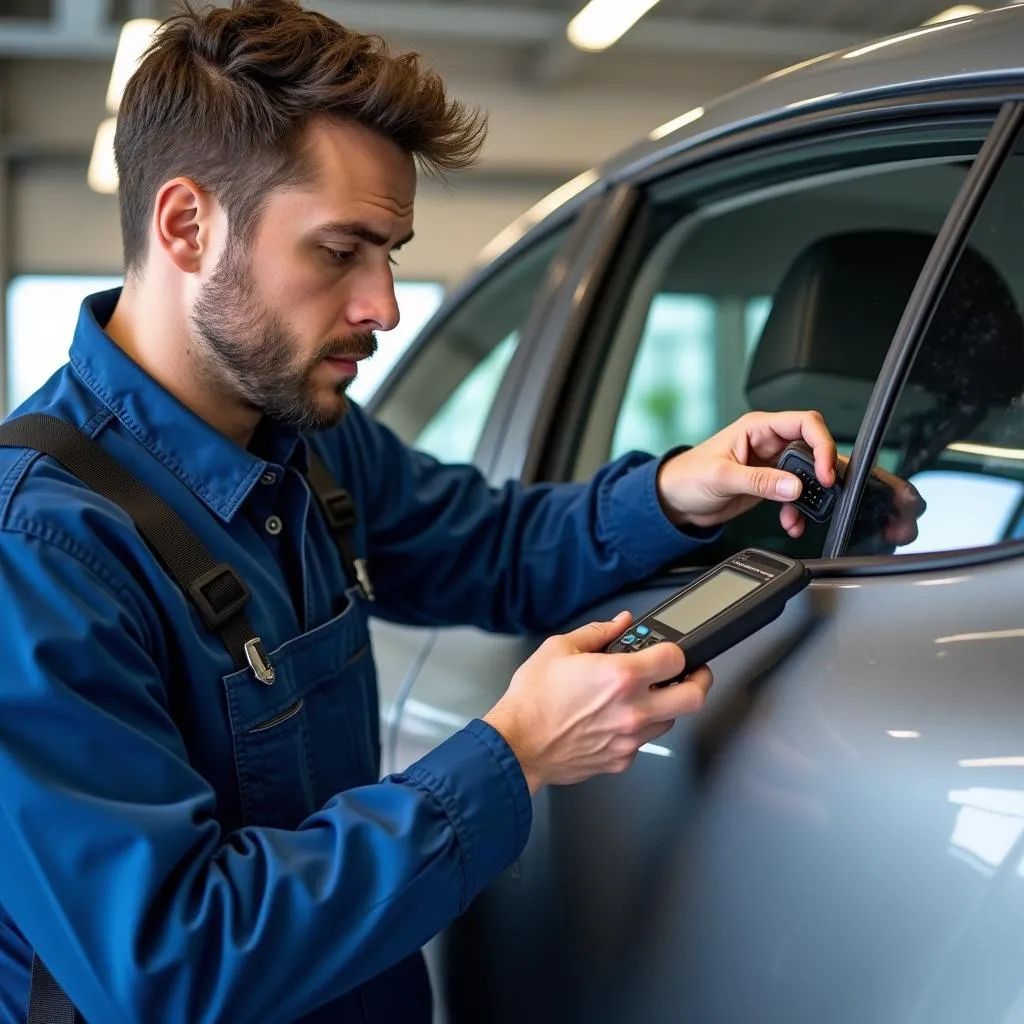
[[180, 842]]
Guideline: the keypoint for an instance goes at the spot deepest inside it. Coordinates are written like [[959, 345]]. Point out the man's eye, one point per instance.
[[337, 255], [392, 259]]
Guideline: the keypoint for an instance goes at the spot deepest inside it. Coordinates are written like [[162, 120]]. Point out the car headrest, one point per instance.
[[835, 314]]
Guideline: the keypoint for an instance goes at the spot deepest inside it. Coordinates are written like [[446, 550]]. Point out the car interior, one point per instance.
[[838, 261]]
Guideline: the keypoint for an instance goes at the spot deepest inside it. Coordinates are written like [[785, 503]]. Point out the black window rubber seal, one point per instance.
[[927, 294]]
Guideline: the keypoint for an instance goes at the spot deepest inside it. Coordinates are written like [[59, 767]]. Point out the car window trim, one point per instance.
[[552, 461], [517, 455], [979, 104], [966, 98], [882, 565], [548, 356], [507, 402], [925, 561], [917, 316]]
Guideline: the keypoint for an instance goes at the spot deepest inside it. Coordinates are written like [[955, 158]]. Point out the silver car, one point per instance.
[[839, 836]]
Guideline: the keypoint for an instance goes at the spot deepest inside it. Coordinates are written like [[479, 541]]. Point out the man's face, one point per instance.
[[282, 325]]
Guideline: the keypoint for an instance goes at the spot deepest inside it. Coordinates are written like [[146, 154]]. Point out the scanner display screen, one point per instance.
[[706, 601]]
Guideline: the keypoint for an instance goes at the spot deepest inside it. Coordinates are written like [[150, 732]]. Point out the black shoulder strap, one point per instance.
[[47, 1003], [340, 510], [215, 589]]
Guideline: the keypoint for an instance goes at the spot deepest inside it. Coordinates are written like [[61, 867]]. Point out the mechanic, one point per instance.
[[185, 839]]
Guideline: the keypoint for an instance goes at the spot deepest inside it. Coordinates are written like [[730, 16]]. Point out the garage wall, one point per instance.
[[539, 138], [59, 225]]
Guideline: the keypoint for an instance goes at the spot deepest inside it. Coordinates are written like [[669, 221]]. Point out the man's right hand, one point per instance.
[[572, 712]]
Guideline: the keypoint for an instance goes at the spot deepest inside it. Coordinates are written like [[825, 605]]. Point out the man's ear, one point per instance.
[[184, 217]]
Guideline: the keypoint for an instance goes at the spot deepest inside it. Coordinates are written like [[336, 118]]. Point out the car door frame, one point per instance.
[[581, 212], [586, 295]]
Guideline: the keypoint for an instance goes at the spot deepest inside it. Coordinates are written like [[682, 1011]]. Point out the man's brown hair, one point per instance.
[[223, 97]]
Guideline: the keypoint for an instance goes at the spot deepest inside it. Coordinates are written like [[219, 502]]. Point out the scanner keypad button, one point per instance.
[[813, 494]]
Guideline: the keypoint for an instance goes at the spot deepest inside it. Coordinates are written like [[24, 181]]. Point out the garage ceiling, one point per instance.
[[773, 31], [872, 17]]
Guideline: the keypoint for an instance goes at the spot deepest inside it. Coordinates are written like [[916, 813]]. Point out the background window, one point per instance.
[[42, 312], [41, 317]]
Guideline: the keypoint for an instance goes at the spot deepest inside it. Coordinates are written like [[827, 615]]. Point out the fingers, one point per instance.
[[734, 478], [596, 636], [645, 720], [653, 732], [770, 432], [685, 698], [637, 672], [792, 521], [901, 528]]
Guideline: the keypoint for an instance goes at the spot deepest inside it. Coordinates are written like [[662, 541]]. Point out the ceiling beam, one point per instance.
[[483, 23], [79, 34]]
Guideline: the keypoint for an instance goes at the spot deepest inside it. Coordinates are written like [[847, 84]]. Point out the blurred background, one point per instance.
[[565, 85]]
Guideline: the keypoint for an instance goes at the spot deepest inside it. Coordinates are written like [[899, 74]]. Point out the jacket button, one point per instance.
[[274, 526], [268, 478]]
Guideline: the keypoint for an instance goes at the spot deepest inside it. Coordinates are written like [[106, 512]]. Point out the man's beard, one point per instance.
[[251, 351]]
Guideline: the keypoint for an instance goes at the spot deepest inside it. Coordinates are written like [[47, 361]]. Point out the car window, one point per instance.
[[749, 303], [957, 431], [441, 401]]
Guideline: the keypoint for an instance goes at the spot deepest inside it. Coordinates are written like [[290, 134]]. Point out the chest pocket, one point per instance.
[[312, 733]]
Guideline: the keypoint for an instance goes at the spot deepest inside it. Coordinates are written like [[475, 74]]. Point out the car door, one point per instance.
[[813, 846]]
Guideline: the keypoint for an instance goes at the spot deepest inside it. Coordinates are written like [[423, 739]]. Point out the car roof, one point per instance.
[[985, 48]]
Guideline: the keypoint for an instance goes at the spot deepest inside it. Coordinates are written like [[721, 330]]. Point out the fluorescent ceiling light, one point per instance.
[[603, 22], [992, 762], [102, 176], [136, 35], [952, 13]]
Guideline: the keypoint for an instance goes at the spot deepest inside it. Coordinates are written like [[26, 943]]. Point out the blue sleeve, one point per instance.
[[117, 872], [445, 548]]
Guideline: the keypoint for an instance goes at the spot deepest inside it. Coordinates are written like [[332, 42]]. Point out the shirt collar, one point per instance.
[[216, 469]]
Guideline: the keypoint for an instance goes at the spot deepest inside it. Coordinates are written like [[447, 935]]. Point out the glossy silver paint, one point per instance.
[[839, 837]]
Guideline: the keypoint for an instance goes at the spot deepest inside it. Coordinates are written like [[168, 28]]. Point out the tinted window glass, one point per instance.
[[957, 432], [441, 402], [788, 299]]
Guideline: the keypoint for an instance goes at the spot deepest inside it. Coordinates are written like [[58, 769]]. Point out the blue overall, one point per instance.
[[182, 843]]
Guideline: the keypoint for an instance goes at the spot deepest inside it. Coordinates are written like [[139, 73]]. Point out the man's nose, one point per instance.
[[376, 309]]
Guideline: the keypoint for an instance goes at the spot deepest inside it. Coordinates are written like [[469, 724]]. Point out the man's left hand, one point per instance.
[[735, 469]]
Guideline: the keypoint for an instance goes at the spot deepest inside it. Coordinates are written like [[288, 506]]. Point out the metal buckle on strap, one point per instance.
[[259, 662], [363, 579]]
